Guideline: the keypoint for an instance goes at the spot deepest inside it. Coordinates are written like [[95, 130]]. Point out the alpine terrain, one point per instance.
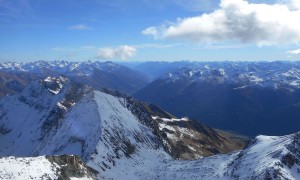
[[58, 129], [14, 77], [149, 90], [250, 98], [108, 130]]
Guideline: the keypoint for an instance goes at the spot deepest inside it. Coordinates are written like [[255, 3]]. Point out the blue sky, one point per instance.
[[142, 30]]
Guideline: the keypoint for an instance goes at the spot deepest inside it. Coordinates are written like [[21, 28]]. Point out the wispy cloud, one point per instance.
[[294, 52], [80, 27], [157, 45], [63, 49], [121, 52], [68, 49], [89, 47], [8, 6], [155, 32], [238, 21], [14, 9], [106, 53], [24, 12]]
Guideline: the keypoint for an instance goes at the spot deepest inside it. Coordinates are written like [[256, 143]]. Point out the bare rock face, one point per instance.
[[187, 139], [72, 166], [293, 157]]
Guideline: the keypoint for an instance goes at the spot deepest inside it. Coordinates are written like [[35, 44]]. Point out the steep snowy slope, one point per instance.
[[110, 131], [44, 167], [55, 117], [29, 117], [269, 157], [266, 158], [102, 131]]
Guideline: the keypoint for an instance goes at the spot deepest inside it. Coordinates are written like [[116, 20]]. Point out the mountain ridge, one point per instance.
[[106, 128], [244, 97], [119, 137], [15, 76], [266, 157]]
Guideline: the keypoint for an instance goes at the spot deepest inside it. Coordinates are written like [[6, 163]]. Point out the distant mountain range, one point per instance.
[[15, 76], [59, 128], [246, 97], [156, 69]]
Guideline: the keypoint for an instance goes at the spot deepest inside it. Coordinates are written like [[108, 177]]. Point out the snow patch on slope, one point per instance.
[[27, 168], [54, 85], [44, 167]]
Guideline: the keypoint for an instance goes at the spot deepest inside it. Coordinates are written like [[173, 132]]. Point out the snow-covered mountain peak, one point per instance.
[[111, 132], [241, 74], [54, 85], [74, 121], [122, 138], [63, 67], [269, 157], [15, 76], [198, 73]]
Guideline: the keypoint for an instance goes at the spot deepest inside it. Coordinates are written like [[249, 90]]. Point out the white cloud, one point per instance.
[[122, 52], [88, 47], [292, 4], [153, 31], [80, 27], [294, 52], [238, 20]]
